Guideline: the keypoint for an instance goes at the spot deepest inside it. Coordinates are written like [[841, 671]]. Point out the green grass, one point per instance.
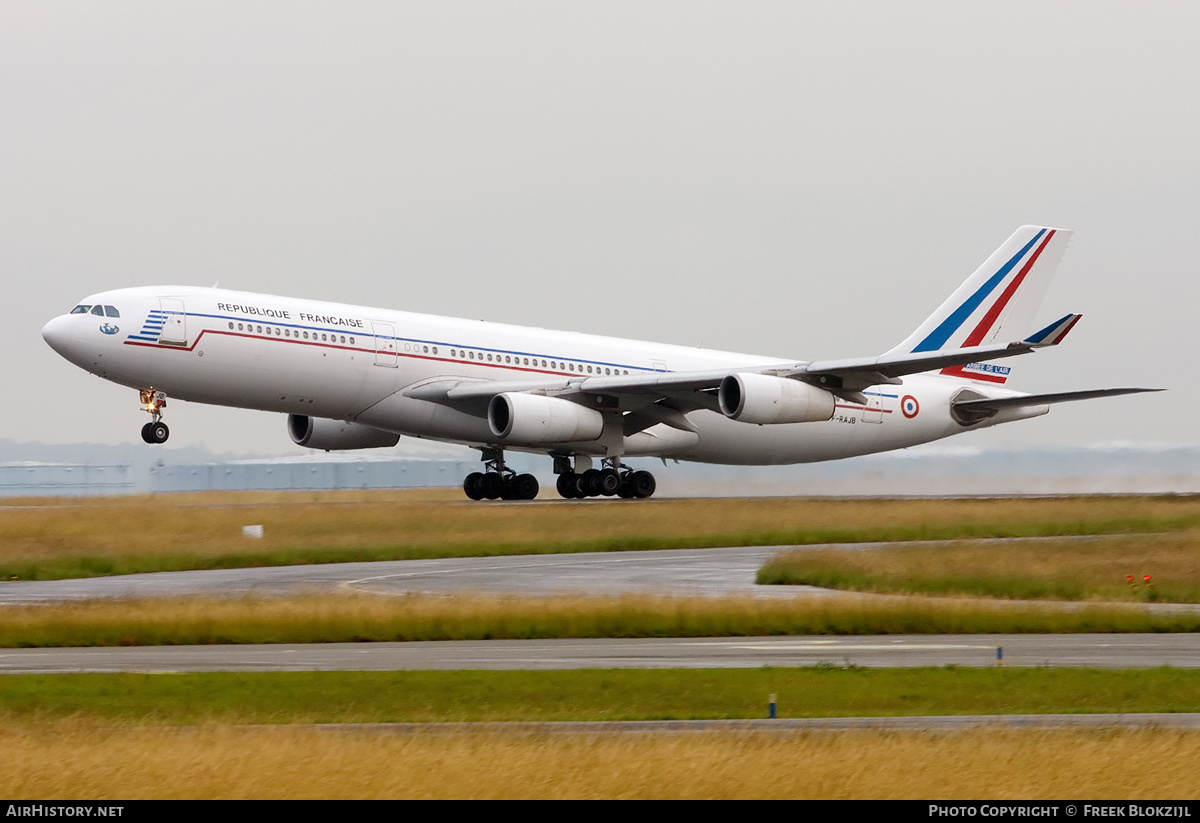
[[370, 697]]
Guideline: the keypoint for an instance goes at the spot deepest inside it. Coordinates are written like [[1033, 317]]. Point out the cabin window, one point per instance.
[[81, 310], [231, 325], [351, 341], [241, 327]]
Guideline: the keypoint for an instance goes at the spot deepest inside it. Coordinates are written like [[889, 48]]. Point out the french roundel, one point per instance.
[[909, 406]]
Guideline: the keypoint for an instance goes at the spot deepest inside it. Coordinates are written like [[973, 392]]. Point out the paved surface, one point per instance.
[[678, 571], [1083, 650]]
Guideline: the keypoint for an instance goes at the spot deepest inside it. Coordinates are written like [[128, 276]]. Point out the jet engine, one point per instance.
[[534, 418], [330, 435], [761, 398]]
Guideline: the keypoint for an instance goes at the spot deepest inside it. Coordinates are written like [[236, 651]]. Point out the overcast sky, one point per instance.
[[806, 180]]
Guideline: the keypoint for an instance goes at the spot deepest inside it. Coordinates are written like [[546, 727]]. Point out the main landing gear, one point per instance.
[[497, 481], [621, 481], [153, 401]]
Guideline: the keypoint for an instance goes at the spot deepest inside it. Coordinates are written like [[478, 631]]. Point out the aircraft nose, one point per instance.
[[57, 333]]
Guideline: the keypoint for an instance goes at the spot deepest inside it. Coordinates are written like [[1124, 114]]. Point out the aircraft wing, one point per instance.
[[690, 390]]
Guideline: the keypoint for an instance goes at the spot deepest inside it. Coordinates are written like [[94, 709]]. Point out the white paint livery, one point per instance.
[[359, 377]]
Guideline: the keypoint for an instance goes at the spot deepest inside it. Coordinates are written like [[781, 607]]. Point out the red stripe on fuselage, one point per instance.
[[409, 355]]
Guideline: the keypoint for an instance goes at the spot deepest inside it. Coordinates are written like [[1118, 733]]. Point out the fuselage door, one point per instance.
[[873, 413], [385, 344], [174, 329]]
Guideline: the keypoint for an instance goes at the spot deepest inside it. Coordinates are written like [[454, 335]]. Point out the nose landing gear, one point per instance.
[[153, 401]]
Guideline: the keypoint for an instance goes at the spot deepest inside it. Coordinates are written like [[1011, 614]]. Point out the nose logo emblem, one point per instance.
[[109, 328]]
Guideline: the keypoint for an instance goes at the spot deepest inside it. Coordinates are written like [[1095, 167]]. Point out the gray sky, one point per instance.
[[805, 180]]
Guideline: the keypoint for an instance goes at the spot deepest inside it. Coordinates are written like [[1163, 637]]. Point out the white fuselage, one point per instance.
[[360, 364]]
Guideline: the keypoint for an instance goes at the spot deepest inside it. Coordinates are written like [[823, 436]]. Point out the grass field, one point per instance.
[[66, 760], [1090, 569], [344, 618], [185, 735], [50, 538], [613, 694]]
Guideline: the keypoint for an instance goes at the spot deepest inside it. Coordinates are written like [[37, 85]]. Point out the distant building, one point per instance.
[[308, 474], [41, 479]]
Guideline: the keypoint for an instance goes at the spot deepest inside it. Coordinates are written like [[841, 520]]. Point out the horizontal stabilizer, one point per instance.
[[1053, 334], [998, 403]]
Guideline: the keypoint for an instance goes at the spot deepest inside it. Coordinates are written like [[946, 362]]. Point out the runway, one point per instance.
[[699, 572], [706, 572], [1108, 651]]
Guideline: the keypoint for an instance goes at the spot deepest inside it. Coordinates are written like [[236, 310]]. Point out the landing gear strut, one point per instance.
[[615, 478], [153, 401], [498, 481]]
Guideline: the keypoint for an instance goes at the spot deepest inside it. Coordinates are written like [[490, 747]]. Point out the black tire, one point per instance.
[[159, 432], [146, 434], [610, 482], [491, 485], [591, 482], [525, 487], [566, 485], [473, 485], [643, 484], [626, 489]]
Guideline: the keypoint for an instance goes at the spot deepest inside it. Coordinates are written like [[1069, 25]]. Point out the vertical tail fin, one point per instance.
[[996, 304]]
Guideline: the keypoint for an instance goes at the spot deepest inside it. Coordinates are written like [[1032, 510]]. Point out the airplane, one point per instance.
[[354, 377]]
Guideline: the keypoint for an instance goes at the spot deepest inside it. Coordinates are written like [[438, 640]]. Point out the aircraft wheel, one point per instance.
[[610, 482], [566, 485], [491, 485], [473, 486], [642, 483], [625, 490], [592, 480], [159, 432], [525, 487], [146, 435]]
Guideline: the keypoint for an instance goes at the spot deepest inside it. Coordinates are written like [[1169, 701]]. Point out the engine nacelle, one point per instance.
[[535, 418], [761, 398], [330, 435]]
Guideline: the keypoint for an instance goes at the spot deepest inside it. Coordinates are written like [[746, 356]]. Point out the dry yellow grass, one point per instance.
[[209, 525], [81, 760], [324, 618], [1092, 568]]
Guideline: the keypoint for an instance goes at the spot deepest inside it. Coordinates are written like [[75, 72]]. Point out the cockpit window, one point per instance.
[[98, 310], [81, 310], [111, 311]]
